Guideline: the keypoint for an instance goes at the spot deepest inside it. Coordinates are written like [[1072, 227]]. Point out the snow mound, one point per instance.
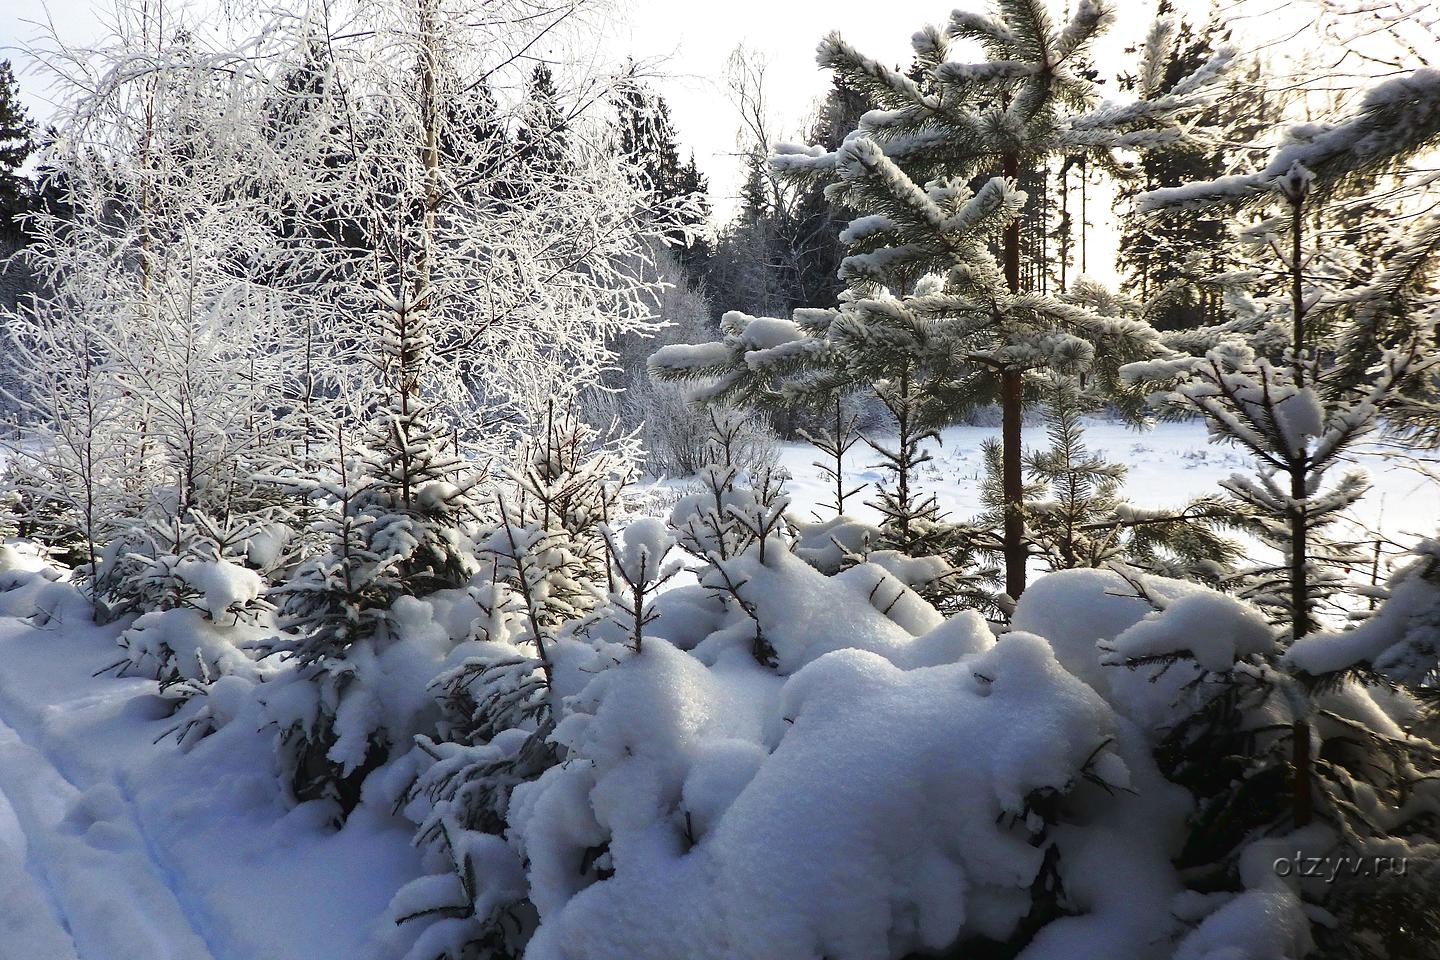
[[1401, 640], [183, 644], [847, 814], [826, 545], [1256, 925], [223, 586], [1194, 621], [21, 556], [41, 594], [805, 614], [1081, 611]]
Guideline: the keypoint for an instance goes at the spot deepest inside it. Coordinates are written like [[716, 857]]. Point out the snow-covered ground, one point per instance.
[[1168, 465], [113, 847], [116, 847]]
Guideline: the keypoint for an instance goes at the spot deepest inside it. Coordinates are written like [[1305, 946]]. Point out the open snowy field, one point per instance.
[[1166, 466]]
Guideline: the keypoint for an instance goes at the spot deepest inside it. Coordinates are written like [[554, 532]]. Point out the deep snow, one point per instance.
[[113, 847], [116, 847]]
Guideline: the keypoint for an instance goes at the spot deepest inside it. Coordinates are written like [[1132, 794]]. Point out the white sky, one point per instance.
[[696, 44], [691, 43]]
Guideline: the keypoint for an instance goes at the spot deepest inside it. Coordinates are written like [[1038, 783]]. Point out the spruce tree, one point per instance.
[[1032, 98], [820, 219], [1155, 254], [16, 144], [647, 140], [545, 129], [1283, 398], [398, 520]]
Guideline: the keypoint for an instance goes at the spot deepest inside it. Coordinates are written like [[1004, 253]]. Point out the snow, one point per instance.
[[192, 646], [1256, 925], [1212, 628], [1396, 116], [1077, 611], [1401, 640], [115, 847], [697, 784], [687, 356], [644, 544], [1167, 465], [785, 754], [808, 615], [790, 787], [824, 544]]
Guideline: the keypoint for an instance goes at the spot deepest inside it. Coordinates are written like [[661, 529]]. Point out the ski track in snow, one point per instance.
[[70, 840], [116, 847]]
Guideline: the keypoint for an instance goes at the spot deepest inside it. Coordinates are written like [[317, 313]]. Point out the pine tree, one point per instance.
[[894, 348], [1031, 100], [551, 544], [909, 515], [16, 144], [840, 437], [639, 569], [332, 602], [556, 571], [1183, 263], [749, 270], [1306, 742], [647, 140], [1330, 763], [405, 526], [1082, 520], [1294, 410], [754, 192], [736, 506], [1393, 304]]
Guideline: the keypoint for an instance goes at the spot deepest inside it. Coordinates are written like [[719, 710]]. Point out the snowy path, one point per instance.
[[114, 847], [79, 877], [31, 923]]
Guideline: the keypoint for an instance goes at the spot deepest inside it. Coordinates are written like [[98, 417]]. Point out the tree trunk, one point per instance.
[[1299, 533], [1297, 291], [902, 473], [1299, 462], [839, 460], [1012, 412], [1303, 806]]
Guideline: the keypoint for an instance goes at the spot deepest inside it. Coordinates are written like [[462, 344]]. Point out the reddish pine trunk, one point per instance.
[[1012, 411]]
